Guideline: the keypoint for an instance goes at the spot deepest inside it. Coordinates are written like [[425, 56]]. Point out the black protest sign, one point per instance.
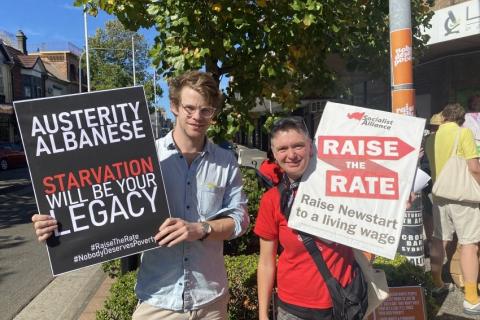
[[94, 167]]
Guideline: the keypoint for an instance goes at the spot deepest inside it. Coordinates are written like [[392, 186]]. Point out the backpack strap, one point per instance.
[[317, 257], [286, 195]]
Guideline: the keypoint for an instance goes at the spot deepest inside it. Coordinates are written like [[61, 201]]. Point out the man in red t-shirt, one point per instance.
[[302, 291]]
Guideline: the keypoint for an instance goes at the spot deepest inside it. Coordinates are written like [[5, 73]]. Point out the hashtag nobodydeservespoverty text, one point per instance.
[[101, 249]]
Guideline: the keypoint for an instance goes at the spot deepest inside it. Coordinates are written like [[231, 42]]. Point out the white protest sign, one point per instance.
[[358, 181]]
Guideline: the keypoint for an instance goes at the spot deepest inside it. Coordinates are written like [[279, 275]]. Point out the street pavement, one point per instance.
[[24, 267], [27, 287], [69, 296]]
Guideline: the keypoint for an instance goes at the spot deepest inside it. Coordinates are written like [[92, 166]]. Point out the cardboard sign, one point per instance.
[[356, 187], [402, 303], [94, 167]]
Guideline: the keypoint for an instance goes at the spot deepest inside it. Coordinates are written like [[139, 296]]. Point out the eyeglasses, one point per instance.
[[205, 112]]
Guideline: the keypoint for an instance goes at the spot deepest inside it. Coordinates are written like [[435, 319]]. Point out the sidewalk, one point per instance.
[[67, 296], [74, 295], [452, 308]]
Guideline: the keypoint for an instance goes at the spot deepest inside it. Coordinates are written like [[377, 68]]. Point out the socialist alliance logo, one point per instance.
[[366, 120]]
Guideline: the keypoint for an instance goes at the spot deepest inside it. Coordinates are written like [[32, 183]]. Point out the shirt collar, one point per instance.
[[168, 141], [449, 124]]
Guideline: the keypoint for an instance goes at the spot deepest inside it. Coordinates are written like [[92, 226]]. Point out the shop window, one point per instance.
[[33, 87], [73, 72], [27, 92]]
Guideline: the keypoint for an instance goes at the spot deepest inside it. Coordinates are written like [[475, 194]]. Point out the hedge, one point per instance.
[[121, 302], [248, 243], [242, 280]]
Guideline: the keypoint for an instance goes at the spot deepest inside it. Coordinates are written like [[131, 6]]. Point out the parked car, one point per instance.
[[11, 156]]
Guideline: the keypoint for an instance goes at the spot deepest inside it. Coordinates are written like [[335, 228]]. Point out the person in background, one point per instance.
[[472, 118], [302, 292], [186, 278], [435, 121], [454, 216], [270, 169]]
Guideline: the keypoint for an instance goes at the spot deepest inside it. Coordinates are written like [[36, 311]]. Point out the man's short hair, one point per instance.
[[201, 82], [284, 124], [454, 112]]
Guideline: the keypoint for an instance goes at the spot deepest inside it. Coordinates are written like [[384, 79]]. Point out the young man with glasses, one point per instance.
[[186, 277]]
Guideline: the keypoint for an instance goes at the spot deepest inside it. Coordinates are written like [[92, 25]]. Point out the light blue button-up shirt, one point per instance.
[[192, 274]]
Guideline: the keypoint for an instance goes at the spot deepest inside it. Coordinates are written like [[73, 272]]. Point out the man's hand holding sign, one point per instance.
[[356, 189]]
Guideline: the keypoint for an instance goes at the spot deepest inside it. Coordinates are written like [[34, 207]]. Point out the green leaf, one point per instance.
[[308, 19], [153, 10]]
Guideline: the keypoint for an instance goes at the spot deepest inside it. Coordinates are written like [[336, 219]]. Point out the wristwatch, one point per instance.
[[207, 229]]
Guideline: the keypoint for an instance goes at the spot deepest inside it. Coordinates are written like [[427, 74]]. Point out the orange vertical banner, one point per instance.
[[403, 101], [401, 55]]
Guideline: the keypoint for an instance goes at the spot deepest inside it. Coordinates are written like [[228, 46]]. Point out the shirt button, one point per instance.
[[188, 207], [180, 284], [188, 182], [186, 259], [181, 156]]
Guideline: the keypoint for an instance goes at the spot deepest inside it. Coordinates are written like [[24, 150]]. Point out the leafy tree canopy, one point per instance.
[[111, 59], [269, 48]]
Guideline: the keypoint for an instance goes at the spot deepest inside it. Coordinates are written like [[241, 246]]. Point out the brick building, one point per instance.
[[25, 75], [62, 66], [6, 95]]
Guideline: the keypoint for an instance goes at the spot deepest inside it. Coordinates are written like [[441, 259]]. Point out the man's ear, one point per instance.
[[174, 108]]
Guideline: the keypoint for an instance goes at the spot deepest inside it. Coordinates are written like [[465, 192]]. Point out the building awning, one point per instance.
[[6, 109]]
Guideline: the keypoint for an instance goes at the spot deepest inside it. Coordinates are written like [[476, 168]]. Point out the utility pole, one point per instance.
[[155, 101], [86, 46], [403, 102], [133, 61], [80, 72], [403, 94]]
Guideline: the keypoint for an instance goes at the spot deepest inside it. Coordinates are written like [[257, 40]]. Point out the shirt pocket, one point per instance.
[[211, 199]]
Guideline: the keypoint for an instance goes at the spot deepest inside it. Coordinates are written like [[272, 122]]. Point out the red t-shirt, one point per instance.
[[299, 281], [271, 170]]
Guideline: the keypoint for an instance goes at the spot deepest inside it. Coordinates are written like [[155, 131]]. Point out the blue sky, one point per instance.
[[54, 23]]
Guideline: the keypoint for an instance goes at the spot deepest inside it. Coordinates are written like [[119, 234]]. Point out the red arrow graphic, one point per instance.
[[370, 181], [362, 148]]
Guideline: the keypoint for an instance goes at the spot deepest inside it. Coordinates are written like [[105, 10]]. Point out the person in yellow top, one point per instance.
[[451, 216]]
